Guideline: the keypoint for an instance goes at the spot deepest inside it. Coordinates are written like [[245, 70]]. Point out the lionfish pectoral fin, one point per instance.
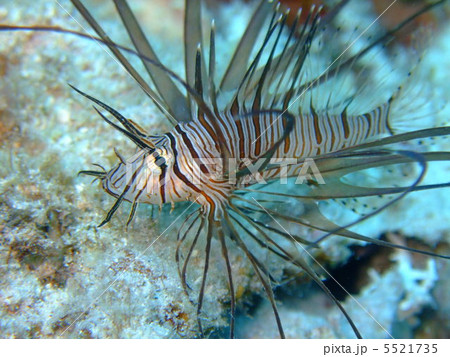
[[333, 170], [320, 283], [226, 258], [338, 189], [336, 168], [333, 229], [260, 271], [260, 226], [180, 241], [301, 263], [341, 164], [209, 236], [285, 255], [314, 215], [315, 218]]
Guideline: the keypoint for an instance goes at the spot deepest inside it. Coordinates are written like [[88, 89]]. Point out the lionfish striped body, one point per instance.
[[181, 169], [231, 133]]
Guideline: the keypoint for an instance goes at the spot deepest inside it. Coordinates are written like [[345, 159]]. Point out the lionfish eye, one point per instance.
[[159, 160]]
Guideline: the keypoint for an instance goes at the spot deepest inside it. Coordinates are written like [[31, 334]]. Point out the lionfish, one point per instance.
[[267, 118]]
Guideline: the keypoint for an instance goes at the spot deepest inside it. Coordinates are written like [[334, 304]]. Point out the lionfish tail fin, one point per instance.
[[412, 106]]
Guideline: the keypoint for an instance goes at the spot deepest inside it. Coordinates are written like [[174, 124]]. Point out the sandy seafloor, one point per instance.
[[61, 276]]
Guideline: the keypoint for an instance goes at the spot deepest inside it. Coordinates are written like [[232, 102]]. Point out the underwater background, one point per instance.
[[61, 276]]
